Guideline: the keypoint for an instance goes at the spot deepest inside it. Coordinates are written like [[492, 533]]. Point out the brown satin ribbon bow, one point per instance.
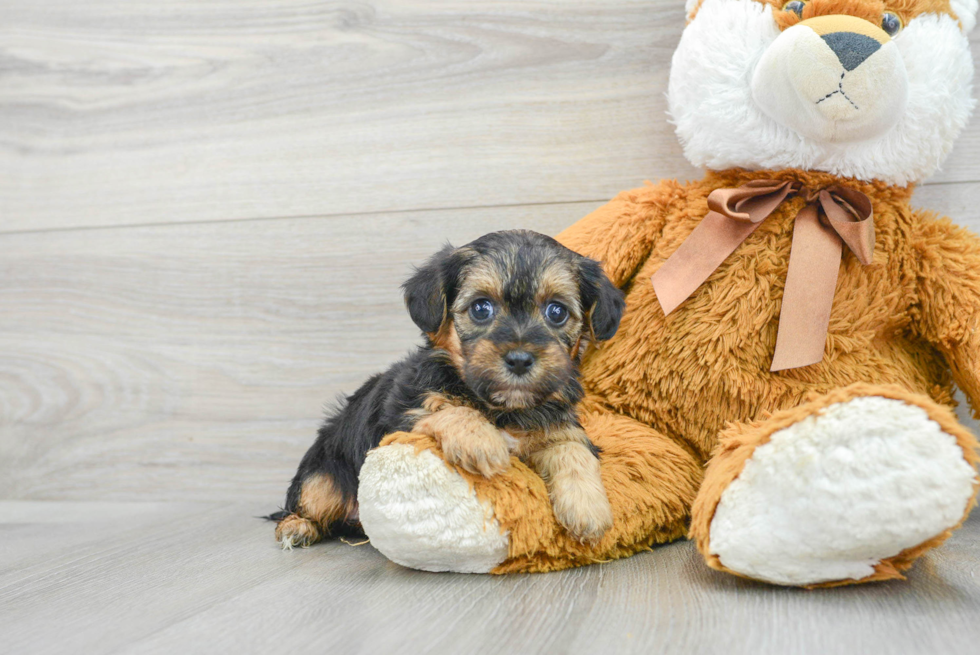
[[832, 216]]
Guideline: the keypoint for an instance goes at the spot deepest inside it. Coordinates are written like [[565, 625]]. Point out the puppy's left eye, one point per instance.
[[556, 313], [481, 310]]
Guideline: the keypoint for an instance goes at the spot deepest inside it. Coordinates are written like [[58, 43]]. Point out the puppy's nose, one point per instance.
[[518, 361]]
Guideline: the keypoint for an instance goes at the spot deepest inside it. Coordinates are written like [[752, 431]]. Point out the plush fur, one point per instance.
[[454, 529], [859, 478], [483, 387], [802, 476]]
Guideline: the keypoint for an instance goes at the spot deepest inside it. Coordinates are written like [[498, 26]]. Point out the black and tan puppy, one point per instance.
[[506, 319]]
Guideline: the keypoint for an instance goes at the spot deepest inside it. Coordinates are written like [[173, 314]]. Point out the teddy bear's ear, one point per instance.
[[432, 289], [966, 11], [601, 299]]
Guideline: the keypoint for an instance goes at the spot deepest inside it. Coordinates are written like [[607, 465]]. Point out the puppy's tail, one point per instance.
[[275, 516]]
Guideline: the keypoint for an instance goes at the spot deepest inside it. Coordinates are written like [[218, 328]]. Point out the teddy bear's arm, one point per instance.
[[949, 291], [622, 233]]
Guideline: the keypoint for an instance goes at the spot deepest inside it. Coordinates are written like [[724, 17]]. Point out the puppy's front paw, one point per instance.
[[468, 440], [571, 472], [585, 513], [480, 449]]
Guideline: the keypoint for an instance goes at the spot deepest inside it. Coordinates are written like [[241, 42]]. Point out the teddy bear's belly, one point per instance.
[[708, 362]]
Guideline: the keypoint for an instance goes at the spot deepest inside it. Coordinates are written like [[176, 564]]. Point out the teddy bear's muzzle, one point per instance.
[[833, 79]]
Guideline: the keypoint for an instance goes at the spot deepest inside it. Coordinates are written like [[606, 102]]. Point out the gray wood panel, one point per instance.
[[142, 111], [203, 578], [127, 112], [961, 202]]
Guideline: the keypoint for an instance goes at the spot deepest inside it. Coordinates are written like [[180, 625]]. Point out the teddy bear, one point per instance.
[[780, 388]]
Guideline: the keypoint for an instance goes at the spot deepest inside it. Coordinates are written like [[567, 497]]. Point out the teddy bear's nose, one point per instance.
[[851, 48]]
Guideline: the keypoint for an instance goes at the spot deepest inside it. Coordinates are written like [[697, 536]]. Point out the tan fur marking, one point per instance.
[[432, 403], [320, 504], [559, 282], [551, 362], [482, 280], [294, 530], [571, 473], [321, 501], [468, 440], [448, 339], [589, 330], [436, 401], [534, 441], [487, 356]]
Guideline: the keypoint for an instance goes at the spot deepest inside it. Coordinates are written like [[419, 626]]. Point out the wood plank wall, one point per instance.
[[206, 208]]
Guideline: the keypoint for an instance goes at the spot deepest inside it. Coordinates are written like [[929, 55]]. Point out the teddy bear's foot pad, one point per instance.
[[421, 514], [833, 496]]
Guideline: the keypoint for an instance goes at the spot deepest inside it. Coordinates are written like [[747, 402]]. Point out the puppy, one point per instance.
[[506, 320]]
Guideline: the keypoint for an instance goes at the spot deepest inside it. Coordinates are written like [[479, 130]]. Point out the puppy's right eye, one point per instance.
[[481, 310]]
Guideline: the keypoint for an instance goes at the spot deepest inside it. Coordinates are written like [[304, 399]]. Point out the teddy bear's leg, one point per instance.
[[422, 513], [850, 487]]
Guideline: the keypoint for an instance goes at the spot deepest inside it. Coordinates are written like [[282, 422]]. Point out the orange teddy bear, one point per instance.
[[781, 383]]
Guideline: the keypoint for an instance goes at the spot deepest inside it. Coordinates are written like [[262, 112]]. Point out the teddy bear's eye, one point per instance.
[[891, 23], [795, 6]]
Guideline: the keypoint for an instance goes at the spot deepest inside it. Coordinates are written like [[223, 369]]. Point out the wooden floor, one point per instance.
[[104, 577], [205, 212]]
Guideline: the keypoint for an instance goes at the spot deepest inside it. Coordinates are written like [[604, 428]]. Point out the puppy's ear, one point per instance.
[[430, 292], [601, 299]]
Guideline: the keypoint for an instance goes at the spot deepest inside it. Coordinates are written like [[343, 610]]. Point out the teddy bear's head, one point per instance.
[[868, 89]]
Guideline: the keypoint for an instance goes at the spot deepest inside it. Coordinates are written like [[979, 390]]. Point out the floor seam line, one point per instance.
[[254, 219]]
